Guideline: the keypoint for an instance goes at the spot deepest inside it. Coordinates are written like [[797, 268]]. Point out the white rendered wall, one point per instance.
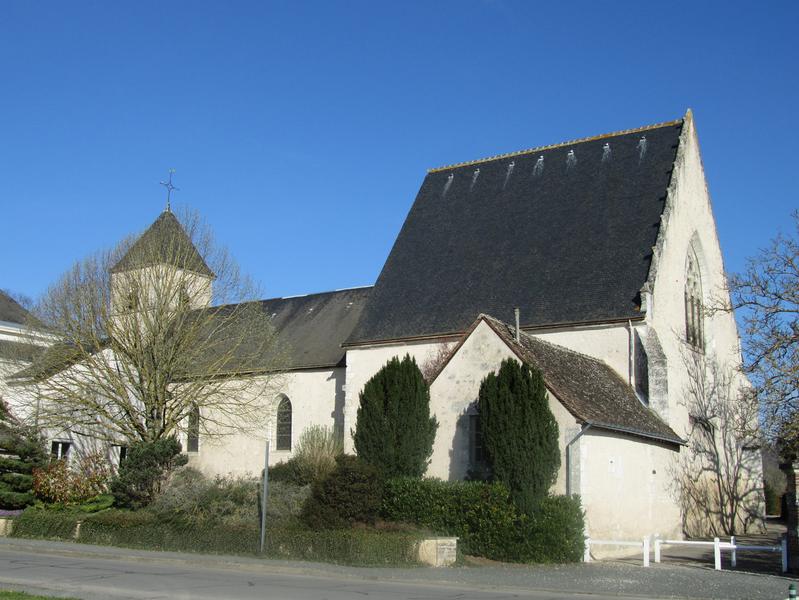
[[316, 399], [456, 389], [688, 220], [608, 343], [363, 363], [625, 487]]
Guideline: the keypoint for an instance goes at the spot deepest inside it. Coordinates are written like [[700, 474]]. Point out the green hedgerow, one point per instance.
[[351, 494], [486, 521]]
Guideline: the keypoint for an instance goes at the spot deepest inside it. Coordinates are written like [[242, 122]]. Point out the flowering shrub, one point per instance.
[[58, 483]]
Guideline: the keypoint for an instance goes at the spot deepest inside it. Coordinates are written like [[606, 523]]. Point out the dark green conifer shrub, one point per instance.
[[394, 430], [144, 470], [520, 434], [21, 451], [351, 494]]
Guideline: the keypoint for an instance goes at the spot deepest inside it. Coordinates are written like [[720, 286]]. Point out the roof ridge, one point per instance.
[[558, 145]]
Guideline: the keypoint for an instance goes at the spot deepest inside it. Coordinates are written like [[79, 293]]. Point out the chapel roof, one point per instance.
[[588, 388], [164, 242], [11, 311], [311, 328], [564, 232]]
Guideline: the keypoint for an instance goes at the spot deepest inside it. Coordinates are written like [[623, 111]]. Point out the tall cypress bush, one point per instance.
[[520, 434], [394, 431]]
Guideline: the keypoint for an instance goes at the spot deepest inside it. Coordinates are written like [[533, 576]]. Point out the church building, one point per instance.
[[589, 260]]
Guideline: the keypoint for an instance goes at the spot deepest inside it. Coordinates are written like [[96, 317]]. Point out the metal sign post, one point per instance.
[[263, 496]]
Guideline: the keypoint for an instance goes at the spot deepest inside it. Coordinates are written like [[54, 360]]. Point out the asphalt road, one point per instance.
[[96, 572], [91, 578]]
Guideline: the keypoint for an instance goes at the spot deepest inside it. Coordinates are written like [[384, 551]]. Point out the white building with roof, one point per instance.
[[607, 246]]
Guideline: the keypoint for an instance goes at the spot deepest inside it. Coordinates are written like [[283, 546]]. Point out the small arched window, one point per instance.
[[193, 430], [283, 429], [694, 325]]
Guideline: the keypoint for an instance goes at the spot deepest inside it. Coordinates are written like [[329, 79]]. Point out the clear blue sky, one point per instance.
[[302, 131]]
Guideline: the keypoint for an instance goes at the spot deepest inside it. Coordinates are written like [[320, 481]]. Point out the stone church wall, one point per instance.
[[317, 398]]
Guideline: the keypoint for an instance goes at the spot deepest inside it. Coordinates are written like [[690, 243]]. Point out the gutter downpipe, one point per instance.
[[582, 431], [631, 352]]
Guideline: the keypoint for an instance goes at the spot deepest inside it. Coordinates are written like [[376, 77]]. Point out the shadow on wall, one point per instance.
[[718, 478], [466, 458]]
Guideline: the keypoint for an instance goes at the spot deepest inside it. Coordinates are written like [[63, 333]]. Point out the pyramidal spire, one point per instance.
[[164, 242]]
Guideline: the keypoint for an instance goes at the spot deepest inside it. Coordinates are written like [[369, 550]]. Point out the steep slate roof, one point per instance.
[[567, 241], [165, 241], [18, 351], [313, 327], [588, 388], [11, 311]]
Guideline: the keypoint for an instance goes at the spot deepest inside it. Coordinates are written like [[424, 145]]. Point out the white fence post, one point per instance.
[[734, 554], [784, 552], [717, 554], [587, 552], [646, 551], [657, 549]]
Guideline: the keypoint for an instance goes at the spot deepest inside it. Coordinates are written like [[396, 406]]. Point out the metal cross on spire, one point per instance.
[[169, 189]]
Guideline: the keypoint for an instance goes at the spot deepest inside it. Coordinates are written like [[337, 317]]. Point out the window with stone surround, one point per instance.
[[694, 320], [283, 427]]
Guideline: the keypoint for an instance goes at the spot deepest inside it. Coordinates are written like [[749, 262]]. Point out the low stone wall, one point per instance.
[[6, 526], [438, 551]]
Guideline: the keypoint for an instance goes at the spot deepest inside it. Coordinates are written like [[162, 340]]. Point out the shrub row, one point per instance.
[[485, 520], [147, 530], [46, 524]]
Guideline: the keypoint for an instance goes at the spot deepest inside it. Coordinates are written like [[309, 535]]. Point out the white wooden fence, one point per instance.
[[718, 546]]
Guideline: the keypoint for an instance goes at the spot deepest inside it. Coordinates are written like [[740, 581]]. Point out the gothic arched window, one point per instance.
[[694, 326], [283, 429]]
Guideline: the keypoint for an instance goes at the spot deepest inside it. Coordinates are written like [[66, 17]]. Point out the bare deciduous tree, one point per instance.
[[149, 333], [718, 479], [766, 296]]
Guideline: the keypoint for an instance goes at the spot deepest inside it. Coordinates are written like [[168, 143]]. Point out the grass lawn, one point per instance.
[[9, 595]]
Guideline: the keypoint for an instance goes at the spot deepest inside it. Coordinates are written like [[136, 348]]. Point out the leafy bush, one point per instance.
[[519, 431], [480, 514], [351, 494], [316, 452], [394, 430], [288, 472], [144, 470], [486, 521], [47, 524], [363, 547], [554, 532], [773, 500], [96, 504], [229, 500], [61, 483], [145, 529]]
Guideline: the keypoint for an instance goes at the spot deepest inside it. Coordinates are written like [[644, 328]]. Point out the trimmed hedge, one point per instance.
[[360, 547], [146, 530], [351, 494], [46, 524], [485, 520]]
